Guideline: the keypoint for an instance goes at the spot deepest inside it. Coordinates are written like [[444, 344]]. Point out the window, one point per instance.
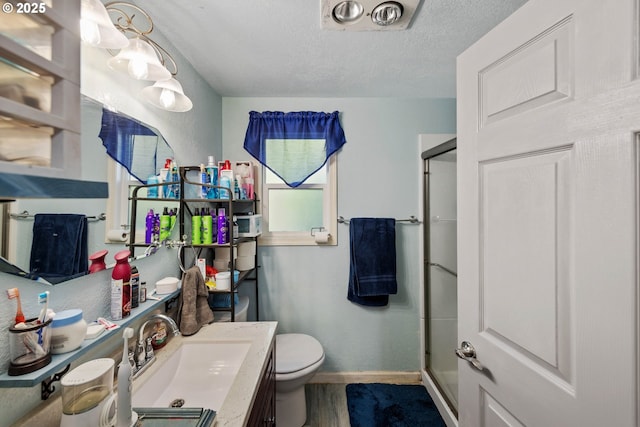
[[290, 214], [299, 180]]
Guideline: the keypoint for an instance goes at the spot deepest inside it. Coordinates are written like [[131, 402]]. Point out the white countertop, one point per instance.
[[237, 405]]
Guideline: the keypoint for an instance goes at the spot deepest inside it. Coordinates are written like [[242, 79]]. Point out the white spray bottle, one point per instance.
[[125, 416]]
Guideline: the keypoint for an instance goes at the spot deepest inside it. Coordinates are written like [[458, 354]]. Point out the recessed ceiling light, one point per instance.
[[367, 15], [347, 11], [386, 13]]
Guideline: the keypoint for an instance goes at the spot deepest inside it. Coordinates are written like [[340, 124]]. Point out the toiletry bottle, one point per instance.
[[234, 230], [143, 292], [148, 227], [236, 188], [165, 225], [156, 228], [226, 180], [124, 412], [222, 226], [207, 227], [212, 173], [173, 216], [135, 287], [165, 176], [159, 337], [196, 226], [204, 179], [121, 286], [175, 178], [152, 192]]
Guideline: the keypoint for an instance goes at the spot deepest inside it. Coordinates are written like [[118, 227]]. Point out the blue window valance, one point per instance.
[[119, 134], [293, 145]]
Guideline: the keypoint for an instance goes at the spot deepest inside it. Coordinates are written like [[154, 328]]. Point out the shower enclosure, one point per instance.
[[440, 266]]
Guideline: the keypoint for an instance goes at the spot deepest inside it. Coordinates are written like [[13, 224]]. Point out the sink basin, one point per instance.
[[195, 375]]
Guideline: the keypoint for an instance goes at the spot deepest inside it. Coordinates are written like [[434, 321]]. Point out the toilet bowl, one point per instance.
[[298, 358]]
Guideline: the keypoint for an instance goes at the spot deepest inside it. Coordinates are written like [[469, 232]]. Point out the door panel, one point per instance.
[[524, 281], [548, 113]]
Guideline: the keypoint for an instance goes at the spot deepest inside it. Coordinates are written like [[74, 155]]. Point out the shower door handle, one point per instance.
[[468, 353]]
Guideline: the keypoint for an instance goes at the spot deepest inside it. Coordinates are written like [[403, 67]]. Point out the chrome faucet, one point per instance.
[[144, 354]]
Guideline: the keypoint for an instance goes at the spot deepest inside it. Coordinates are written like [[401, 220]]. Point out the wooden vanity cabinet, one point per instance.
[[263, 412]]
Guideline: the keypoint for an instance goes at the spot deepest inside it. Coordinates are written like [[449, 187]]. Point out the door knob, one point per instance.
[[468, 353]]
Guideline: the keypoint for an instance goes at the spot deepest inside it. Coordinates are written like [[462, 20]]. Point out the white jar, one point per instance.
[[68, 330]]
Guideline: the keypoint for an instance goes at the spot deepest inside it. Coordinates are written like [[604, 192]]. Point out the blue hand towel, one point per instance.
[[59, 248], [372, 270]]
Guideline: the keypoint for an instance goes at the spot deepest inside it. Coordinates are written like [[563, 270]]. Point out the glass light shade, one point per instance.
[[140, 61], [347, 11], [168, 95], [96, 28], [386, 13]]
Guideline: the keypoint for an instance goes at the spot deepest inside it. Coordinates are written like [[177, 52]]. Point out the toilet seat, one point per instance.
[[295, 352]]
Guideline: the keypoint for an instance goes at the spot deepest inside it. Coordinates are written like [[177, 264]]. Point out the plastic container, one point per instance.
[[68, 330], [223, 281], [97, 261], [207, 227], [29, 347], [167, 285]]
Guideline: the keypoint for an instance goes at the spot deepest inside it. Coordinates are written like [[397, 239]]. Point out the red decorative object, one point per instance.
[[97, 261]]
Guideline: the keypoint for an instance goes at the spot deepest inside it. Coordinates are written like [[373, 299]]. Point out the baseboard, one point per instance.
[[388, 377]]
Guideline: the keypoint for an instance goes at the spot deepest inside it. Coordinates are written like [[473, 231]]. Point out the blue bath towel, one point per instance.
[[59, 248], [372, 271]]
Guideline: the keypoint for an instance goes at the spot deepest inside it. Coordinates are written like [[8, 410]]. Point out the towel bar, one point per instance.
[[26, 215], [412, 219]]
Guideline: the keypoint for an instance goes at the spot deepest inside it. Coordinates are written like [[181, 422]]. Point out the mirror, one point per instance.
[[147, 150]]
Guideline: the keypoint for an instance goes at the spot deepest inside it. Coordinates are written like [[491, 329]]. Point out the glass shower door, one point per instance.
[[440, 270]]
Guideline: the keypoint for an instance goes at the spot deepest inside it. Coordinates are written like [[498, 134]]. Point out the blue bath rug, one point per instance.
[[391, 405]]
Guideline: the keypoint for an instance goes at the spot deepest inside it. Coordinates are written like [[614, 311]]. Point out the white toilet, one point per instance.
[[298, 358]]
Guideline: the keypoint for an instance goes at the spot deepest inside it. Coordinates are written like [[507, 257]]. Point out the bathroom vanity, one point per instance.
[[245, 399]]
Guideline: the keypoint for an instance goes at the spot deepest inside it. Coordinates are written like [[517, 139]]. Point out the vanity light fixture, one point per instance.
[[140, 61], [140, 57], [367, 15], [168, 95], [96, 28]]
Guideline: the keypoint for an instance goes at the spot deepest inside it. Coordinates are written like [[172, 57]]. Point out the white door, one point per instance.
[[548, 110]]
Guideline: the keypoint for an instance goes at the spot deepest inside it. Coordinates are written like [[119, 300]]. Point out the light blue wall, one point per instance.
[[305, 288], [193, 135]]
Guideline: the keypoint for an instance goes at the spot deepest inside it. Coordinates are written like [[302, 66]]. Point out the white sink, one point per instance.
[[200, 373]]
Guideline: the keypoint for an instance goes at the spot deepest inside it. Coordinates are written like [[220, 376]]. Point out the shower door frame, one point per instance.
[[426, 264]]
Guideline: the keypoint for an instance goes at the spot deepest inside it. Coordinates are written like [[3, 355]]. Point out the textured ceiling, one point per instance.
[[276, 48]]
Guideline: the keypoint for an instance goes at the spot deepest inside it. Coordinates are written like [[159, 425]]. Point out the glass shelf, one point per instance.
[[59, 362]]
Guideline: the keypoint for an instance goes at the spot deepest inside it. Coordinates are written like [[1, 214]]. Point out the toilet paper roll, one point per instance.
[[322, 236], [117, 235]]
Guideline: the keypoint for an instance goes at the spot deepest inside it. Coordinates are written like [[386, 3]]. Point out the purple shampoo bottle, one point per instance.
[[222, 227]]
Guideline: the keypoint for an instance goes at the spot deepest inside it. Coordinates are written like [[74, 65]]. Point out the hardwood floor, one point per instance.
[[327, 405]]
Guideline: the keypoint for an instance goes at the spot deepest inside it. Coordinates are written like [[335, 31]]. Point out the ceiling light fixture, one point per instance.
[[348, 11], [367, 15], [387, 13], [140, 57]]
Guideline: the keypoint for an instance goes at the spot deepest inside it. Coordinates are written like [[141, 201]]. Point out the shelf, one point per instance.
[[59, 362]]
